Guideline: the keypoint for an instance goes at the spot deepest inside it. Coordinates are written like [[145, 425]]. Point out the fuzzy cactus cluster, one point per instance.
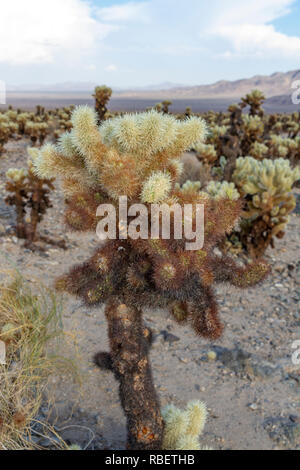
[[138, 156], [254, 101], [267, 186], [206, 153], [7, 129], [183, 427], [30, 197], [102, 96], [284, 147], [245, 130], [224, 190]]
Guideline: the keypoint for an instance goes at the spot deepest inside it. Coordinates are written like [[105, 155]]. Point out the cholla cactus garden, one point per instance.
[[138, 156]]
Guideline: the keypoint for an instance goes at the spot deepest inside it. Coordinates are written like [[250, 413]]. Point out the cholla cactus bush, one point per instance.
[[138, 156], [206, 153], [16, 186], [284, 147], [165, 106], [254, 100], [22, 119], [222, 190], [157, 107], [40, 111], [63, 117], [36, 131], [30, 196], [102, 96], [229, 144], [253, 131], [290, 124], [272, 125], [183, 427], [188, 112], [266, 186], [7, 129], [258, 151]]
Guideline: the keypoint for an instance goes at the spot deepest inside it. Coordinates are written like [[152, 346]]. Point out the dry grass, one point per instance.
[[29, 323]]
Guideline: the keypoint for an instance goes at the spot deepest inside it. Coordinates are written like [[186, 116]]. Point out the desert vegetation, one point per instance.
[[242, 166], [29, 323]]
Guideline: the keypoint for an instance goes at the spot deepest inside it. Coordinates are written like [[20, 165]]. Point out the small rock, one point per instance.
[[169, 338], [253, 406], [243, 363], [283, 431]]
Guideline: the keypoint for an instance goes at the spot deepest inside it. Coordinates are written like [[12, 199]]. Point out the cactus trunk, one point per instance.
[[20, 226], [130, 363]]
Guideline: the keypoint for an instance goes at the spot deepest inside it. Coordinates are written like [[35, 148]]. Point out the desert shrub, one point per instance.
[[206, 153], [29, 195], [102, 96], [183, 427], [267, 189], [36, 131], [29, 324], [138, 156], [7, 129], [254, 101]]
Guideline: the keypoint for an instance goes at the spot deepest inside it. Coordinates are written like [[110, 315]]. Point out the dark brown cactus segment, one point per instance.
[[129, 344]]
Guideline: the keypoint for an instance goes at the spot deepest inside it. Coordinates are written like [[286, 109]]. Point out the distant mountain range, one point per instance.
[[85, 87], [277, 84], [218, 96]]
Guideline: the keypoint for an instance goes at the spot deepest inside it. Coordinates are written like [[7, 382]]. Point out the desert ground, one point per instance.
[[252, 388]]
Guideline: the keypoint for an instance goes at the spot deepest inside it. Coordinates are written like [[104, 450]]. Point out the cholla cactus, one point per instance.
[[284, 147], [183, 427], [27, 192], [255, 100], [16, 186], [138, 156], [165, 106], [37, 131], [267, 186], [7, 129], [258, 151], [102, 96], [190, 186], [206, 153], [224, 190], [22, 119], [253, 131]]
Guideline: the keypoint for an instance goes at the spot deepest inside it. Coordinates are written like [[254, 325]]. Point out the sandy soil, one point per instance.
[[252, 389]]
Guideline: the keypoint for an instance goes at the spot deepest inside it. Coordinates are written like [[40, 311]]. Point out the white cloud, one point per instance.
[[111, 68], [252, 11], [259, 40], [149, 40], [226, 29], [246, 28], [35, 31], [127, 12]]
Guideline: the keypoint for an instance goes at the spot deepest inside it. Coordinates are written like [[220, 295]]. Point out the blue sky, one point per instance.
[[135, 43]]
